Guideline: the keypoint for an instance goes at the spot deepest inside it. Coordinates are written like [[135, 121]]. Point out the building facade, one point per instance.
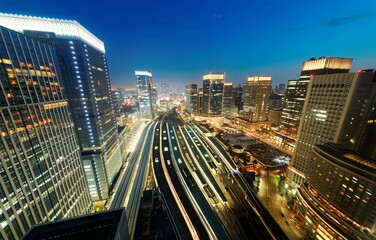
[[237, 97], [144, 91], [212, 98], [337, 109], [191, 96], [338, 201], [296, 94], [227, 99], [256, 94], [84, 68], [42, 175]]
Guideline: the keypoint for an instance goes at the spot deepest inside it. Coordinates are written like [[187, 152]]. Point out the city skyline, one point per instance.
[[184, 36]]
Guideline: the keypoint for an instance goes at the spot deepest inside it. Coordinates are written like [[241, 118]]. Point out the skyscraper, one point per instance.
[[256, 94], [331, 160], [191, 98], [212, 94], [296, 93], [237, 97], [42, 175], [337, 109], [227, 99], [84, 68], [144, 91], [154, 97]]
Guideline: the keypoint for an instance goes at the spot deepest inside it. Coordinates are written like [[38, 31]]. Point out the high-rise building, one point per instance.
[[237, 97], [84, 68], [154, 97], [200, 101], [117, 98], [191, 96], [164, 91], [275, 101], [256, 94], [281, 89], [337, 109], [296, 93], [42, 175], [227, 99], [212, 94], [144, 91]]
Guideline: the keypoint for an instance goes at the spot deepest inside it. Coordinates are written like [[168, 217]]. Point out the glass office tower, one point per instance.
[[84, 68], [212, 85], [191, 98], [144, 91], [42, 176], [256, 94]]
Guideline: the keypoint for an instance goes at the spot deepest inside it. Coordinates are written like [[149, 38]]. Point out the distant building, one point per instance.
[[200, 102], [275, 117], [42, 175], [281, 90], [191, 97], [275, 101], [237, 97], [164, 91], [145, 92], [256, 94], [296, 94], [117, 98], [227, 99], [154, 97], [212, 94]]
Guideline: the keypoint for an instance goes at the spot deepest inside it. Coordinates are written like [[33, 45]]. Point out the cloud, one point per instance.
[[335, 22]]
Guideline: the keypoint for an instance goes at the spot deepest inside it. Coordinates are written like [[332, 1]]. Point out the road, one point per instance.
[[128, 192], [214, 226]]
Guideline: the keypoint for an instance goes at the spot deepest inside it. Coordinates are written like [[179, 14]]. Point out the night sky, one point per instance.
[[179, 41]]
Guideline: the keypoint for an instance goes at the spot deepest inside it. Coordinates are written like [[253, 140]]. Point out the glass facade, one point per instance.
[[191, 98], [256, 98], [83, 63], [41, 172], [212, 98], [296, 94], [227, 99], [144, 91]]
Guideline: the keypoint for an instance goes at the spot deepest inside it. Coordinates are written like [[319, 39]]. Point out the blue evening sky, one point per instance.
[[179, 41]]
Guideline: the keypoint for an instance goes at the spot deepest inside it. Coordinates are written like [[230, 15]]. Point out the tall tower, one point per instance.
[[191, 95], [84, 68], [337, 109], [42, 175], [256, 94], [227, 99], [212, 94], [144, 91], [296, 92]]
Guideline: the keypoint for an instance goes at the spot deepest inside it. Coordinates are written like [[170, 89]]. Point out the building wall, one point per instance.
[[85, 73], [42, 176], [256, 98], [227, 99], [334, 111], [347, 184], [213, 94], [144, 91]]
